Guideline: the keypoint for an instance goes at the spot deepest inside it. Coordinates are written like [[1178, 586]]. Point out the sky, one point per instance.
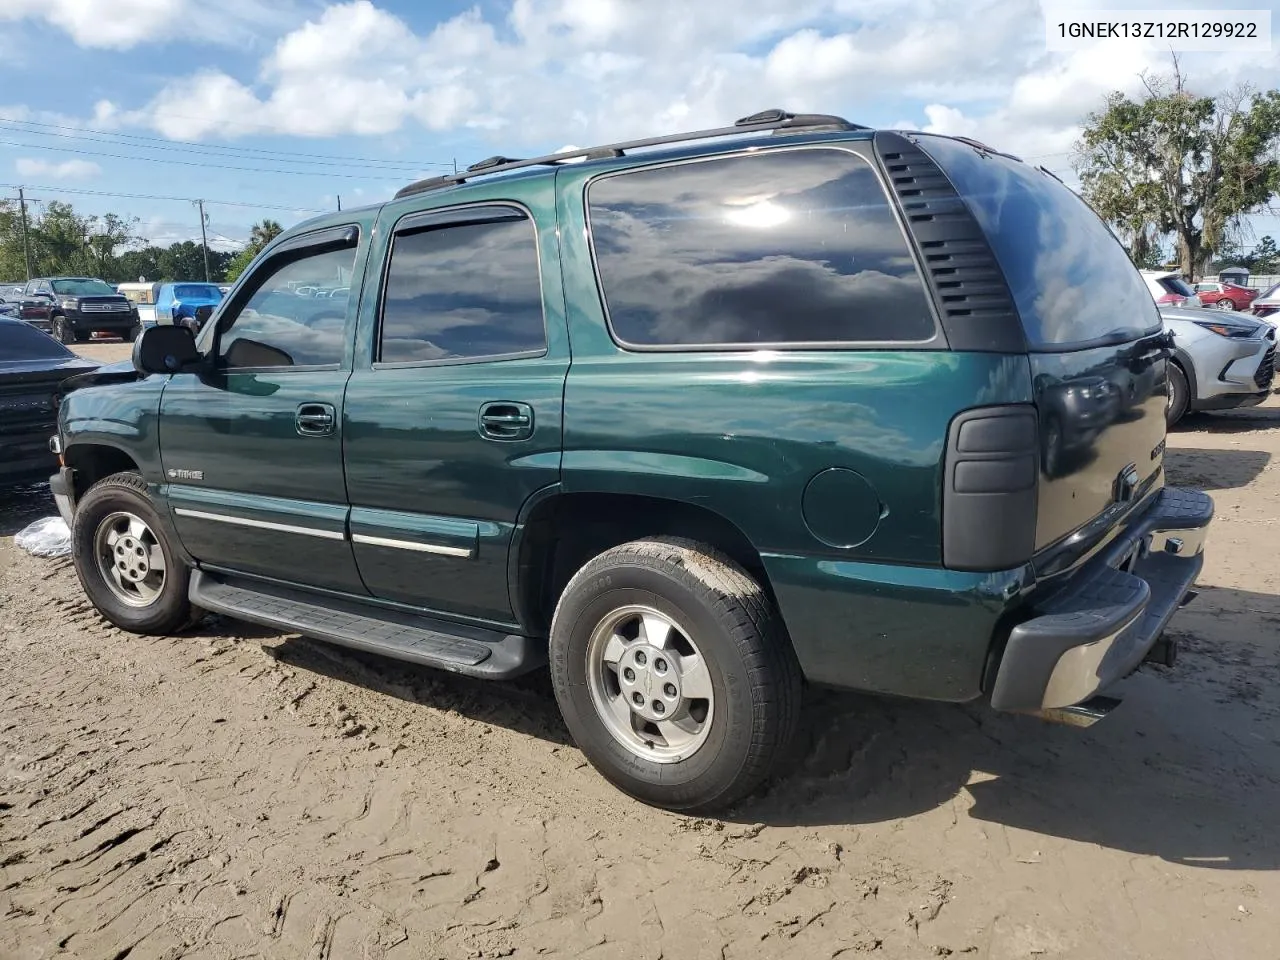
[[276, 108]]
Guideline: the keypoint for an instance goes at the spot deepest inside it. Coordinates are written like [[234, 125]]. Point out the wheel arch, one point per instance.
[[92, 461], [559, 532]]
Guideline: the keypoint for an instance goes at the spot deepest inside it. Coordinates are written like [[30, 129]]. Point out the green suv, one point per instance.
[[695, 420]]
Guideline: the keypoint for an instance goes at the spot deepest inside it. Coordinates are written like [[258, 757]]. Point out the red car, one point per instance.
[[1225, 296]]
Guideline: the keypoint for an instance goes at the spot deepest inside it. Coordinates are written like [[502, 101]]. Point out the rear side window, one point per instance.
[[21, 342], [1071, 280], [462, 292], [784, 247]]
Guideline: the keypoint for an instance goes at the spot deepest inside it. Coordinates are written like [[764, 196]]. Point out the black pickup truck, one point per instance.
[[73, 309]]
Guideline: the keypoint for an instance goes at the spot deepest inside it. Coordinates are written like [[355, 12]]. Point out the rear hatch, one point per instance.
[[1095, 344]]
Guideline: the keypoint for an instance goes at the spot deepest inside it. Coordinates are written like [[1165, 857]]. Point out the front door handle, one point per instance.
[[503, 420], [315, 419]]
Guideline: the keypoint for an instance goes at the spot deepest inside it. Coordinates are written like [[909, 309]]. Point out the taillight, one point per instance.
[[990, 487]]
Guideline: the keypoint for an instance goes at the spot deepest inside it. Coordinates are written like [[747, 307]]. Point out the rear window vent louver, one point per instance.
[[967, 284]]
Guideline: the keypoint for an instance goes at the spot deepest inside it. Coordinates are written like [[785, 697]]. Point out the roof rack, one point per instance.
[[765, 120]]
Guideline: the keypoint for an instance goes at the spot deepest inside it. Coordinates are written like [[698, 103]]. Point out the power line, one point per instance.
[[149, 196], [215, 146], [206, 166], [185, 147]]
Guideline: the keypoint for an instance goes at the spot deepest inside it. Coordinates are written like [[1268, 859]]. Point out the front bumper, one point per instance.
[[1098, 626], [101, 321], [63, 494]]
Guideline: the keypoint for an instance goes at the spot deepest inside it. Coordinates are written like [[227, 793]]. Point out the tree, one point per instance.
[[1265, 258], [1177, 163], [261, 234]]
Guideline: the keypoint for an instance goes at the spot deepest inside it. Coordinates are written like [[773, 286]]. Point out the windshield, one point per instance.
[[1270, 292], [1071, 279], [196, 291], [83, 288], [21, 342]]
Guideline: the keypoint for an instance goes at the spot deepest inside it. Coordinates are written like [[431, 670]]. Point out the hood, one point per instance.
[[121, 372]]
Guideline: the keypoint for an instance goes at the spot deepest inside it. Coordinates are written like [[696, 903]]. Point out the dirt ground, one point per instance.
[[235, 793]]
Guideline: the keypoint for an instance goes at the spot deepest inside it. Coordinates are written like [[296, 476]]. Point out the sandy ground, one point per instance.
[[235, 793]]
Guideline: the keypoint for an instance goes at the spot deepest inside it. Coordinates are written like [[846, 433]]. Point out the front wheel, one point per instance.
[[133, 333], [62, 331], [1179, 396], [674, 674], [126, 563]]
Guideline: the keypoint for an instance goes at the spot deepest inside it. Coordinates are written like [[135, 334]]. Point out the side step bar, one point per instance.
[[472, 651]]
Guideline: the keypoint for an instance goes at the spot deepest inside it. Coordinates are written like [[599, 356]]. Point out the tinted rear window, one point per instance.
[[783, 247], [1176, 285], [1071, 279], [21, 342]]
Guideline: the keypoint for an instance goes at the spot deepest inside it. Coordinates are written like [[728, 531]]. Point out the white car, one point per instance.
[[1219, 362], [1168, 289]]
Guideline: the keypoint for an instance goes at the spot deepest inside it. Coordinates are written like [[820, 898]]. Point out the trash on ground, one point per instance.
[[47, 537]]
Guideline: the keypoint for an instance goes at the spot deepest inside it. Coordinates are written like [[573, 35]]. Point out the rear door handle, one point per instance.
[[315, 419], [503, 420]]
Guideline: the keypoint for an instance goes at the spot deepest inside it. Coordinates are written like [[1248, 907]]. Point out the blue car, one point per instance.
[[186, 304]]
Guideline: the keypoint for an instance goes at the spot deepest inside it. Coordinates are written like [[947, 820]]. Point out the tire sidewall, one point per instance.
[[1179, 398], [172, 607], [722, 755]]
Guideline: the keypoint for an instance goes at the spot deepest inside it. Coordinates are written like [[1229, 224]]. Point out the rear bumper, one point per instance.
[[1099, 625]]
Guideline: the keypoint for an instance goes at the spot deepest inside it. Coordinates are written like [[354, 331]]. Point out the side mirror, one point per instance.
[[167, 349]]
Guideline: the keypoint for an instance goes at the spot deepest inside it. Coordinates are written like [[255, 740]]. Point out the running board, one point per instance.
[[472, 651]]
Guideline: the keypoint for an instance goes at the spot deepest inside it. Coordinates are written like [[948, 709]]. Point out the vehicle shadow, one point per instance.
[[1187, 769], [526, 704], [22, 505], [1214, 469], [1231, 421]]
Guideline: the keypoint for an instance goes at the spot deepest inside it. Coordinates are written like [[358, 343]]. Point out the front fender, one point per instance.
[[122, 416]]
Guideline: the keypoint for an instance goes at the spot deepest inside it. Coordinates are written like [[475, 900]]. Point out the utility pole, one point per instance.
[[204, 241], [26, 247]]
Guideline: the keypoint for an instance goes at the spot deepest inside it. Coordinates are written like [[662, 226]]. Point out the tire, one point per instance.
[[133, 333], [748, 668], [62, 330], [1179, 395], [158, 605], [1225, 304]]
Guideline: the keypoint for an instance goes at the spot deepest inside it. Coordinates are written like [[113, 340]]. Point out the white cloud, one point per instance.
[[551, 71], [124, 24], [594, 69], [51, 170]]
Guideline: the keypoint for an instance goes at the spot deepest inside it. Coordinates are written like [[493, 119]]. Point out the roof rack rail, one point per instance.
[[765, 120]]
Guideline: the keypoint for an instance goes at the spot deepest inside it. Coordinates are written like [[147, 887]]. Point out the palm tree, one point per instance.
[[263, 233]]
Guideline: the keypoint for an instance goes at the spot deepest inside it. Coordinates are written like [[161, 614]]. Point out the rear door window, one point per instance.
[[1072, 282], [784, 248]]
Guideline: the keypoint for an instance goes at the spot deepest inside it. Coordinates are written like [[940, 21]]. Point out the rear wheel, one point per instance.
[[1225, 304], [127, 565], [674, 674], [1178, 395]]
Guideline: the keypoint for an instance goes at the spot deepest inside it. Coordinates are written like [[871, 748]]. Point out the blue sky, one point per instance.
[[312, 100]]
